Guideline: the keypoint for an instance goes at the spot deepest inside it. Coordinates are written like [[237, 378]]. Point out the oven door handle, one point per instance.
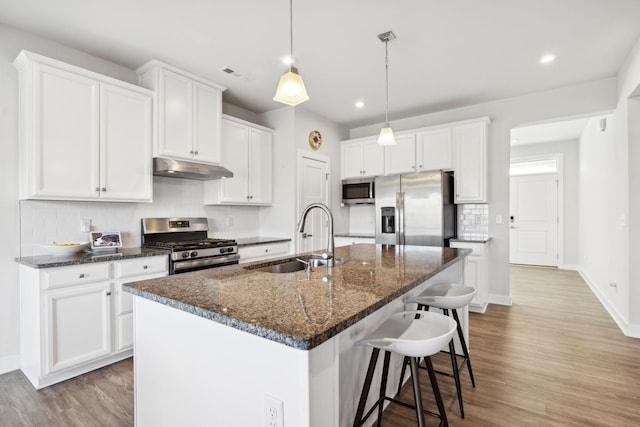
[[209, 261]]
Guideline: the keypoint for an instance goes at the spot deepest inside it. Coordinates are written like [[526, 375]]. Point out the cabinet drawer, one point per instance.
[[477, 248], [256, 252], [76, 275], [140, 266]]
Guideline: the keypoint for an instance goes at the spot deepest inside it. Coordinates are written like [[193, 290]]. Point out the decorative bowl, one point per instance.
[[65, 248]]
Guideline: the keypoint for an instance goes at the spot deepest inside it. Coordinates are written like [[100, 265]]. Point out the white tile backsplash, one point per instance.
[[47, 221], [473, 221]]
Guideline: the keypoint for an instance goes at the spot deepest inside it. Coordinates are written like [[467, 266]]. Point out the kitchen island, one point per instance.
[[223, 346]]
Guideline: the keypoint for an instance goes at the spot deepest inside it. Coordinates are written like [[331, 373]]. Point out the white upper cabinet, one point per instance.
[[434, 149], [83, 136], [470, 161], [188, 113], [362, 158], [401, 158], [247, 152]]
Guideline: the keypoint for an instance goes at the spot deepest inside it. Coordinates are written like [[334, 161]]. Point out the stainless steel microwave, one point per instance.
[[358, 191]]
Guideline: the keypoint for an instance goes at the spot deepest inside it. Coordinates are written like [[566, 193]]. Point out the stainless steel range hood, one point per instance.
[[189, 170]]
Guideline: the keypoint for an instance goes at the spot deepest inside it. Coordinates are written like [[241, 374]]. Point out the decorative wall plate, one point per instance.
[[315, 139]]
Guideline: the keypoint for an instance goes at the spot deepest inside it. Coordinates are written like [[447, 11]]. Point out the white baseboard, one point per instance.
[[574, 267], [630, 330], [9, 363], [500, 299]]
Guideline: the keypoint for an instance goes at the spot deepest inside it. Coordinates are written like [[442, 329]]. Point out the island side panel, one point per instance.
[[353, 360], [193, 371]]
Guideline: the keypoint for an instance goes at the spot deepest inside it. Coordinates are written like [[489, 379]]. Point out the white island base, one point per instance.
[[192, 371]]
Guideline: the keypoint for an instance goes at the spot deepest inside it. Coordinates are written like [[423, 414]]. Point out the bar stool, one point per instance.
[[413, 334], [447, 296]]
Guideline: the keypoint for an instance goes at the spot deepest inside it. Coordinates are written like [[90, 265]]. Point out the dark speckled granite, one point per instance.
[[48, 261], [295, 309], [249, 241]]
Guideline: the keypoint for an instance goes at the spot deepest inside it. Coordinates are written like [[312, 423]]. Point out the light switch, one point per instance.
[[498, 219]]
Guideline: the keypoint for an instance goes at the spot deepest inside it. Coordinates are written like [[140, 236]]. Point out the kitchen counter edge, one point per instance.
[[52, 261]]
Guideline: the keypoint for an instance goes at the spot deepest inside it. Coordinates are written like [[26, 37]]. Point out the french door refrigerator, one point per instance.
[[415, 209]]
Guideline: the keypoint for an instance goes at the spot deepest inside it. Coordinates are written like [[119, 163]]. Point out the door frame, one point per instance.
[[559, 158], [302, 154]]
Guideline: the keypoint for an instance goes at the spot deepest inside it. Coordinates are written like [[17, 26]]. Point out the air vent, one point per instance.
[[230, 71]]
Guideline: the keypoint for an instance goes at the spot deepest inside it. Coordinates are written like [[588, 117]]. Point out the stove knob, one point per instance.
[[194, 254], [229, 249], [185, 254]]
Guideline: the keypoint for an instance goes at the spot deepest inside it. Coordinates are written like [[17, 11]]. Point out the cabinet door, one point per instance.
[[434, 150], [401, 158], [77, 324], [472, 275], [235, 154], [260, 167], [206, 123], [470, 158], [351, 157], [372, 158], [125, 144], [66, 135], [175, 116]]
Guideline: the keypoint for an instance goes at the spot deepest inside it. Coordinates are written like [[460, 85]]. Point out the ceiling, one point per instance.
[[566, 130], [447, 53]]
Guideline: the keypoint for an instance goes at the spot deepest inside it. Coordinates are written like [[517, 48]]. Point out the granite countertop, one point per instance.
[[295, 309], [360, 235], [249, 241], [48, 261]]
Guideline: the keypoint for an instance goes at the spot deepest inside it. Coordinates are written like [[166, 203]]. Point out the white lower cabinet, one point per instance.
[[252, 253], [75, 319], [476, 273]]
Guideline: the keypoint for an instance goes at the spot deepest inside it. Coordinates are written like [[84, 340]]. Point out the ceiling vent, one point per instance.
[[230, 71]]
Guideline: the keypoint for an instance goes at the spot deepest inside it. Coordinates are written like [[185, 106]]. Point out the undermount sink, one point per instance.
[[292, 265]]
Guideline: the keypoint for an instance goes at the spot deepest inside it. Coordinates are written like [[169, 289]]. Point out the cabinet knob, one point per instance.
[[266, 250], [190, 151], [420, 166], [145, 267], [109, 293], [103, 189], [97, 188], [81, 276], [195, 152]]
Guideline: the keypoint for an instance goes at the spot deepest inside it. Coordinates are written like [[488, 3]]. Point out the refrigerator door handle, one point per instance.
[[400, 218]]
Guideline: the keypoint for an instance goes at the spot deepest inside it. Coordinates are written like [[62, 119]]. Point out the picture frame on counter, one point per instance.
[[101, 240]]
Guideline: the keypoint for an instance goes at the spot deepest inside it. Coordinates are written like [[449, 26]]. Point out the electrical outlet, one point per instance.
[[85, 225], [273, 411], [229, 221]]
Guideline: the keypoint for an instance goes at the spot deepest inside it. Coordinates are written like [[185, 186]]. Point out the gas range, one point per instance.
[[190, 247]]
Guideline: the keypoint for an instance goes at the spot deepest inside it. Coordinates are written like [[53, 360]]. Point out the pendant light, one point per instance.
[[291, 90], [386, 133]]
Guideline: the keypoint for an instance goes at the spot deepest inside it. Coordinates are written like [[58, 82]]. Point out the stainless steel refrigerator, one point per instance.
[[415, 209]]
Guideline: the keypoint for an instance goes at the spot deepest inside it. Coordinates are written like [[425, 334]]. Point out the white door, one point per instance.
[[314, 174], [533, 233]]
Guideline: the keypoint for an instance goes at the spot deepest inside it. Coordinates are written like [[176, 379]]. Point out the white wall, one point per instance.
[[581, 99], [293, 125], [570, 159]]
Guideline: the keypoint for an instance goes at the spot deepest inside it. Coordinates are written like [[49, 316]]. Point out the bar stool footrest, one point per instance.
[[401, 403]]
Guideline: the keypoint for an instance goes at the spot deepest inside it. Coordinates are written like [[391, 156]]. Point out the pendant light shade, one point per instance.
[[291, 90], [386, 133]]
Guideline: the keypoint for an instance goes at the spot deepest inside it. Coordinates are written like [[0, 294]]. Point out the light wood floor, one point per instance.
[[555, 358]]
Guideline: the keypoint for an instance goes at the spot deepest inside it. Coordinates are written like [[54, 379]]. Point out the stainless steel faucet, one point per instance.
[[330, 241]]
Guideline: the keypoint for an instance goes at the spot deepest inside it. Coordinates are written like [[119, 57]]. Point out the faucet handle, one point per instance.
[[307, 263]]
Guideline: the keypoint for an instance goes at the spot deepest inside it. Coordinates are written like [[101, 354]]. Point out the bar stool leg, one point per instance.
[[436, 392], [456, 375], [417, 395], [357, 422], [464, 347], [383, 385]]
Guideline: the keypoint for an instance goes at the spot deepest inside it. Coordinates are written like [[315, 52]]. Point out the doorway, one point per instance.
[[313, 187], [533, 220]]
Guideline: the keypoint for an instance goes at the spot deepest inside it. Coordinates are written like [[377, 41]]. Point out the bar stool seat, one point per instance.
[[448, 296], [413, 334]]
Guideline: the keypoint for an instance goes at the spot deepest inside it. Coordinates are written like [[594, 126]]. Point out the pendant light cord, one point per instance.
[[386, 68], [291, 34]]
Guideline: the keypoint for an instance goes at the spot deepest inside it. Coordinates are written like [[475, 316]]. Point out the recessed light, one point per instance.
[[546, 59], [359, 104]]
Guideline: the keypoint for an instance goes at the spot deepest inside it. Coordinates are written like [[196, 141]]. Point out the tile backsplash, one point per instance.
[[473, 221], [60, 221]]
